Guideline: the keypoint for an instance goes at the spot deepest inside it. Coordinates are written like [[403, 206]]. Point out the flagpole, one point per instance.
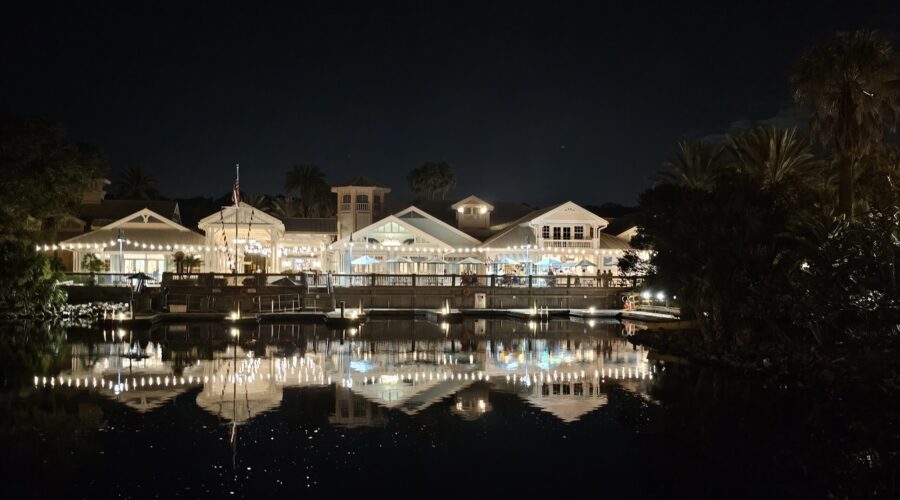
[[237, 212]]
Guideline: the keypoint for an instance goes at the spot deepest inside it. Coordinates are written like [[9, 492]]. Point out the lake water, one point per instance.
[[411, 408]]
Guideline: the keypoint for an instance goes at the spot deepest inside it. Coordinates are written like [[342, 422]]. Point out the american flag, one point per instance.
[[236, 189]]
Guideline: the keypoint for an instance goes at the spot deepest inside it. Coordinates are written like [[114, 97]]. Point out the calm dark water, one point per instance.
[[414, 409]]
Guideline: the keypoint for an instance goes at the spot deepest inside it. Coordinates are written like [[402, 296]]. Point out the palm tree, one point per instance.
[[284, 206], [90, 262], [309, 182], [697, 165], [257, 201], [178, 259], [851, 85], [771, 155], [191, 262], [431, 178], [137, 184]]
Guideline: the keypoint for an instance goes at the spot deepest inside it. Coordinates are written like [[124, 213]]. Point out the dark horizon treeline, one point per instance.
[[777, 241]]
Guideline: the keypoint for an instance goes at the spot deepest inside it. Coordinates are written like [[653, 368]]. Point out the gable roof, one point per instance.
[[436, 227], [422, 224], [518, 232], [110, 210], [621, 224], [471, 200], [259, 217], [511, 236], [573, 209], [503, 213], [163, 232]]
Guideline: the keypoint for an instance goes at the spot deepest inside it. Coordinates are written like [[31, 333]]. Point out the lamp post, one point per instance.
[[527, 261], [120, 237]]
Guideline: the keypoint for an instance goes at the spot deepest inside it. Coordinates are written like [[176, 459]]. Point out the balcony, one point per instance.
[[362, 207], [568, 243], [345, 207]]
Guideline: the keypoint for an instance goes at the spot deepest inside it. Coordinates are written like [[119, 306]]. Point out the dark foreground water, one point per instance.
[[414, 409]]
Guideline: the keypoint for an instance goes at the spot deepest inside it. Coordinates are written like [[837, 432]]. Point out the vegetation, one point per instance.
[[751, 238], [431, 179], [851, 86], [308, 182], [136, 183], [90, 262], [27, 285], [191, 262], [43, 175]]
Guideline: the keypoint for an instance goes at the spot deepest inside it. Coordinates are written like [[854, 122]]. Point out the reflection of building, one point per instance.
[[566, 373], [240, 386], [473, 401], [353, 410]]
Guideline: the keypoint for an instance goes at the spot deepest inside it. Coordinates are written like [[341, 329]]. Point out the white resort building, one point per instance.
[[368, 235]]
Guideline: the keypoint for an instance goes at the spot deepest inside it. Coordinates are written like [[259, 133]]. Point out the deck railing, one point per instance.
[[326, 282], [100, 279]]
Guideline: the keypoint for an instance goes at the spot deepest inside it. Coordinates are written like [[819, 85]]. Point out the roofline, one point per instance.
[[165, 220], [435, 219], [471, 197]]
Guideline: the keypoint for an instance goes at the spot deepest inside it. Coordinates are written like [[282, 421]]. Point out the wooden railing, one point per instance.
[[100, 279], [326, 282]]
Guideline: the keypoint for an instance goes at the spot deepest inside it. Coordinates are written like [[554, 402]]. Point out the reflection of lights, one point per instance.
[[660, 295], [591, 310], [481, 405], [234, 332], [592, 323], [353, 331], [233, 316], [646, 294], [121, 333]]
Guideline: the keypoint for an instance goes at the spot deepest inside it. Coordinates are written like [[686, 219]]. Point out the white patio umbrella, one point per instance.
[[364, 260], [548, 261], [436, 261], [508, 261], [584, 263], [471, 261], [397, 262]]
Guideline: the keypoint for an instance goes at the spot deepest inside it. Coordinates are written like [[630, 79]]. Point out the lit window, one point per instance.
[[567, 233], [579, 232]]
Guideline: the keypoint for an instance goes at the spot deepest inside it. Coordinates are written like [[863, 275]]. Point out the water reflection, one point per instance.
[[563, 368], [194, 411]]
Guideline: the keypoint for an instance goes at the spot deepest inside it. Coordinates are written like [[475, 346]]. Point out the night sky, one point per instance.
[[529, 101]]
